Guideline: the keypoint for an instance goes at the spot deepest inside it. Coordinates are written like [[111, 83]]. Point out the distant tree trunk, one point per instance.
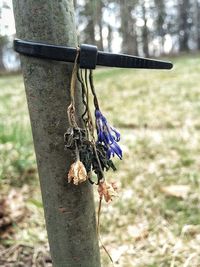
[[75, 3], [197, 22], [128, 28], [89, 31], [145, 31], [2, 43], [91, 15], [198, 27], [2, 67], [110, 37], [160, 20], [184, 31], [99, 19]]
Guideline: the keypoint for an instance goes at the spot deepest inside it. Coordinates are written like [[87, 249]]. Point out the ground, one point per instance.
[[154, 222]]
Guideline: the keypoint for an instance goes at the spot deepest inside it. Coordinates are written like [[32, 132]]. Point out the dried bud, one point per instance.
[[77, 173], [108, 191]]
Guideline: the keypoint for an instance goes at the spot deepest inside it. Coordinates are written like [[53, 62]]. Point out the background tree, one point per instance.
[[160, 21], [145, 30], [128, 27], [3, 37], [3, 42], [184, 21], [99, 22], [196, 13], [90, 17], [143, 27]]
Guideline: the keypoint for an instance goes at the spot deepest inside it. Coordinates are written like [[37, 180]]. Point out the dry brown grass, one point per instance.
[[155, 221]]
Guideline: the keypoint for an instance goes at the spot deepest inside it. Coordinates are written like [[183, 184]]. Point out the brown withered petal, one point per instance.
[[77, 173], [108, 191]]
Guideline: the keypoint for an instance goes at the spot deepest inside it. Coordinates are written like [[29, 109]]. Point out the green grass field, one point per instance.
[[155, 221]]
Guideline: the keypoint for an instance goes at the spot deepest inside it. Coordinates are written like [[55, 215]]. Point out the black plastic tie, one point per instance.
[[89, 56]]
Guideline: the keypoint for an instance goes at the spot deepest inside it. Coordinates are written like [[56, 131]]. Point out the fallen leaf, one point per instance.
[[191, 229], [179, 191], [12, 209], [138, 231]]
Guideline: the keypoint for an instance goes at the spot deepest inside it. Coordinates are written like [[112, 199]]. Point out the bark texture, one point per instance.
[[145, 30], [69, 210], [128, 27], [184, 26]]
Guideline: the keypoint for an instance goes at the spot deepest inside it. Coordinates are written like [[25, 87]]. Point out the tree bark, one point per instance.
[[110, 37], [160, 16], [88, 13], [197, 22], [128, 28], [184, 28], [2, 43], [2, 67], [145, 31], [99, 18], [69, 210]]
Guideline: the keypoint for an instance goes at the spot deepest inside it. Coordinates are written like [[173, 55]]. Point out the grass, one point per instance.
[[16, 146], [158, 115]]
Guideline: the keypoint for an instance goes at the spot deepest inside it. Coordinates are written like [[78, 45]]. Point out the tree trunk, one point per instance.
[[99, 18], [127, 28], [184, 29], [197, 23], [145, 31], [89, 31], [2, 43], [110, 37], [69, 210], [160, 16], [2, 67]]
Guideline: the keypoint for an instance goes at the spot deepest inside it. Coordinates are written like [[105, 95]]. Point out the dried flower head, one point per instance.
[[74, 137], [108, 191], [77, 173]]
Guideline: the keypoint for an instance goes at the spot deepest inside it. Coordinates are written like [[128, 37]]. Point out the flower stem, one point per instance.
[[96, 103], [71, 108], [73, 79]]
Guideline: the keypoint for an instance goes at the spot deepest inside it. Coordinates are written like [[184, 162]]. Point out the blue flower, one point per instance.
[[107, 135], [113, 149]]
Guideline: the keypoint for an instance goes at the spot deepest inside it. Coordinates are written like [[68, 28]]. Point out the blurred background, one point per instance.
[[155, 221], [139, 27]]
